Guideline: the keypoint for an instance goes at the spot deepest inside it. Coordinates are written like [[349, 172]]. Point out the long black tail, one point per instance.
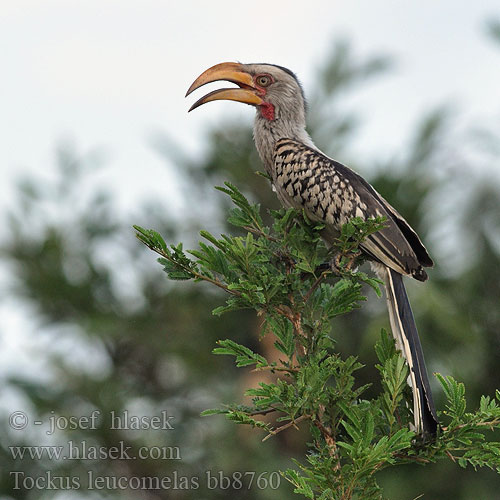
[[405, 332]]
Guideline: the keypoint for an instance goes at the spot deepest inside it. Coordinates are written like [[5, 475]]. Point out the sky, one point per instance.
[[109, 74]]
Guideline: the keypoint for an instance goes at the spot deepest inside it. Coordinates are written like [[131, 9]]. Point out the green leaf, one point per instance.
[[214, 411], [244, 355], [385, 347], [455, 394], [151, 238], [174, 271]]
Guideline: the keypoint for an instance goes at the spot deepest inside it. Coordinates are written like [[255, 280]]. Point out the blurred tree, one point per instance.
[[91, 284], [151, 344]]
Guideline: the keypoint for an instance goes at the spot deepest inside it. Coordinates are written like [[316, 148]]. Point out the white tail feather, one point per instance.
[[405, 334]]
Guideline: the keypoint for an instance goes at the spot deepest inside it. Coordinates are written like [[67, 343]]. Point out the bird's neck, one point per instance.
[[268, 132]]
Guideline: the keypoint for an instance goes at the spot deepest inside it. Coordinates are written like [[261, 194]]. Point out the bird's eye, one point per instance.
[[263, 80]]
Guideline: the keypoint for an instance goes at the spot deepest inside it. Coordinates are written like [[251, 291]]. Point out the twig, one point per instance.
[[258, 232], [315, 285], [292, 423], [491, 424], [196, 274], [329, 440], [409, 457], [263, 412], [296, 319], [276, 368]]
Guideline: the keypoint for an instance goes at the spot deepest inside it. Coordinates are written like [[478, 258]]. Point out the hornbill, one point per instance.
[[305, 178]]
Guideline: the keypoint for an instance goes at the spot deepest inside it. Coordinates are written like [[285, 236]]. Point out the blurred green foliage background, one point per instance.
[[94, 290]]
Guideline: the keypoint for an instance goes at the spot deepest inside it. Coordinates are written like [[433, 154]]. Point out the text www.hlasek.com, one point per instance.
[[83, 451]]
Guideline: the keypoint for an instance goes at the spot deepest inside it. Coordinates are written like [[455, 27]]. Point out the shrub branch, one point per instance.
[[299, 287]]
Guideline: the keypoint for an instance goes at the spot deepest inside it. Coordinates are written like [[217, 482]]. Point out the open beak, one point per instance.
[[231, 72]]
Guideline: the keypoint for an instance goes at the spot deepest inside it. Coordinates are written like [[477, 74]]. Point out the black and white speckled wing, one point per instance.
[[332, 193]]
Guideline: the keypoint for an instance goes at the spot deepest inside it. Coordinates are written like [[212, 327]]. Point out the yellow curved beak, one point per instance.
[[231, 72]]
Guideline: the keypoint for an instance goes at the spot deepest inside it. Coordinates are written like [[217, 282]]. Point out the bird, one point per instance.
[[329, 192]]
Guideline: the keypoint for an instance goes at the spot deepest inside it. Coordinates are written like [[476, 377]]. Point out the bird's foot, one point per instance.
[[341, 263]]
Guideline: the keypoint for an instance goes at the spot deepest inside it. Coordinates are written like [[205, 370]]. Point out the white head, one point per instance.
[[273, 90]]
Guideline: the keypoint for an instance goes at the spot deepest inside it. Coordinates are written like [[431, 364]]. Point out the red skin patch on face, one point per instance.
[[266, 108], [267, 111]]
